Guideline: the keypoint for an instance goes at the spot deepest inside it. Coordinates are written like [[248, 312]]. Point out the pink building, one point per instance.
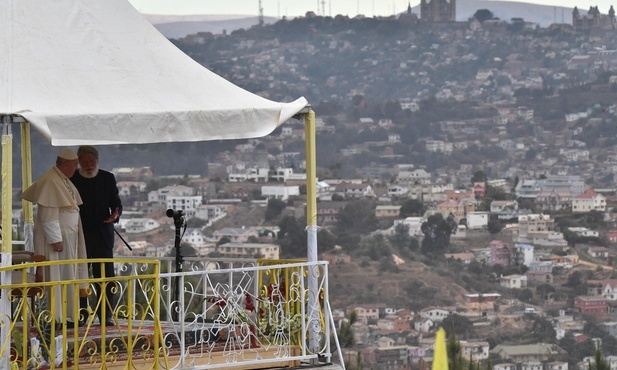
[[500, 253], [591, 305]]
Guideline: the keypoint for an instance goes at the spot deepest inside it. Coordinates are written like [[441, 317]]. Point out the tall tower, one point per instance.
[[438, 10], [261, 15]]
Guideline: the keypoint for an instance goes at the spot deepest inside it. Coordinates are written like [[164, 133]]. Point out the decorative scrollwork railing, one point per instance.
[[215, 314]]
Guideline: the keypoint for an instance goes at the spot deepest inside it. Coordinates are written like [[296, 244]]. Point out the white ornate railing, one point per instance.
[[232, 312], [213, 314]]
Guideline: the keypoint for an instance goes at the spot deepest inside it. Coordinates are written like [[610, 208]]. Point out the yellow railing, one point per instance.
[[37, 331], [214, 314]]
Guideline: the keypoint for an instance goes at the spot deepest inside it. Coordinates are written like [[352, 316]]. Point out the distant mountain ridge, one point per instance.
[[544, 15], [179, 26]]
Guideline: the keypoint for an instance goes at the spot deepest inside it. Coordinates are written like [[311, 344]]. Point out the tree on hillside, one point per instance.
[[494, 225], [542, 330], [400, 238], [326, 241], [412, 208], [458, 325], [455, 352], [274, 208], [544, 290], [478, 176], [345, 333], [402, 241], [292, 237], [437, 232], [599, 362], [575, 350], [376, 247], [594, 330], [357, 216], [483, 15]]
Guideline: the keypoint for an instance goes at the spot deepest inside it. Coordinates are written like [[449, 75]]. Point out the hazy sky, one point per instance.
[[291, 8]]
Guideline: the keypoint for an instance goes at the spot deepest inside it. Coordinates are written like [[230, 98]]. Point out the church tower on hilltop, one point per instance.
[[593, 19], [438, 10]]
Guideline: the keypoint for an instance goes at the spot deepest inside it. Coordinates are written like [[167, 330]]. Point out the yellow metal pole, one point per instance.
[[313, 321], [311, 171], [7, 233], [26, 171], [7, 191], [26, 181]]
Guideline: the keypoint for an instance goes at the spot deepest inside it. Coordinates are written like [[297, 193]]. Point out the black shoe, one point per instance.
[[109, 322], [69, 324]]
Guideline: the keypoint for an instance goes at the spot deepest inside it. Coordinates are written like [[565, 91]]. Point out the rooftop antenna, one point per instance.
[[261, 15]]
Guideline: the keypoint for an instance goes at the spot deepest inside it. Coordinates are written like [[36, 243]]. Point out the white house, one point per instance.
[[249, 174], [384, 324], [280, 174], [504, 366], [436, 313], [185, 203], [249, 250], [476, 350], [585, 232], [531, 365], [280, 192], [413, 176], [413, 223], [588, 201], [160, 196], [139, 225], [556, 365], [524, 254], [499, 206], [423, 325], [352, 190], [598, 252], [194, 236], [210, 212], [477, 220], [127, 188], [513, 281], [385, 342], [235, 234], [609, 289], [397, 191]]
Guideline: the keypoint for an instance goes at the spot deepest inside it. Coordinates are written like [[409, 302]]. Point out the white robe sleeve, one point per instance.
[[49, 217]]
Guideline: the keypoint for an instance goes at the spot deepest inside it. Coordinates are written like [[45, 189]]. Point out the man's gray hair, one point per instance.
[[87, 149]]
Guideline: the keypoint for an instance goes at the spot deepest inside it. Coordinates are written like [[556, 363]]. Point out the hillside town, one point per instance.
[[523, 167]]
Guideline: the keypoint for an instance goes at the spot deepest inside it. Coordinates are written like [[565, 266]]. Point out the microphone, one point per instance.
[[175, 214]]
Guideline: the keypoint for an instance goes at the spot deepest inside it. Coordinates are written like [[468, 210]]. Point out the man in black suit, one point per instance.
[[100, 209]]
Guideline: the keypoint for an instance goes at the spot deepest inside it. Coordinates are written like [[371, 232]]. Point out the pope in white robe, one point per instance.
[[58, 233]]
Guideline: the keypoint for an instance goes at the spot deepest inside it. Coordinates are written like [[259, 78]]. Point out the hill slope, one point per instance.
[[178, 26]]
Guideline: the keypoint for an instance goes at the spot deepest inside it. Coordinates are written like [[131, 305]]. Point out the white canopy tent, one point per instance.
[[96, 72]]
